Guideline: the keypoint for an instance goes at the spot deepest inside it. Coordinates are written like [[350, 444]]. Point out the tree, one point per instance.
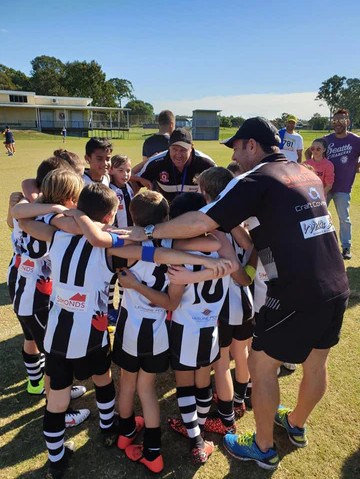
[[47, 76], [331, 92], [124, 89], [318, 122], [237, 121], [140, 109], [11, 79], [225, 121], [350, 99]]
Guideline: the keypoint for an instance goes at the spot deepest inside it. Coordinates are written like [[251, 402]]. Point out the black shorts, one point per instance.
[[290, 336], [34, 327], [177, 366], [62, 371], [159, 363], [240, 332]]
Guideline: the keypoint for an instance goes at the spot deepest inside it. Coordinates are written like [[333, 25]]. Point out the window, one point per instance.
[[18, 99]]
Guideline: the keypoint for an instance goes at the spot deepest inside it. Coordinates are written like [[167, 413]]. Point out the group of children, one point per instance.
[[191, 315]]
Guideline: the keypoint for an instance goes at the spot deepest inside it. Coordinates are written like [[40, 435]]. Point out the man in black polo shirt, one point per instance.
[[173, 171], [307, 288], [159, 141]]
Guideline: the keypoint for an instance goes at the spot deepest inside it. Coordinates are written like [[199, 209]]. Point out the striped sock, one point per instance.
[[239, 392], [54, 430], [187, 405], [226, 412], [152, 443], [33, 365], [204, 398], [105, 400]]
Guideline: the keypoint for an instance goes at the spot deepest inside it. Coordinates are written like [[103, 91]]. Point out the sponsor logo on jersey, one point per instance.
[[317, 226], [311, 204], [44, 285], [313, 193], [302, 179], [206, 312], [27, 267], [164, 177], [100, 321], [71, 302]]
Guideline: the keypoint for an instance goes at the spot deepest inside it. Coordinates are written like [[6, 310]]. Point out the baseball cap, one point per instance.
[[291, 118], [258, 128], [181, 137]]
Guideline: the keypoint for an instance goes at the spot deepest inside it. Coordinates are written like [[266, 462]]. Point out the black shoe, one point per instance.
[[57, 470], [111, 434], [346, 253]]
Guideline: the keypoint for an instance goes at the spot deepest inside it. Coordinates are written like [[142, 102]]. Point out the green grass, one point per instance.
[[333, 429]]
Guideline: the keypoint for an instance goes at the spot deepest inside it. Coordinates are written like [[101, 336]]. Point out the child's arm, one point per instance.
[[30, 189], [169, 299], [93, 233], [242, 237], [13, 200], [31, 210], [37, 229], [206, 244]]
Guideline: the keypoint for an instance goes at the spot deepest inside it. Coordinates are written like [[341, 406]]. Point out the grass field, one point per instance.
[[333, 429]]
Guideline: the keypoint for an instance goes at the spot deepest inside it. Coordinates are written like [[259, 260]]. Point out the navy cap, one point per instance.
[[181, 137], [258, 128]]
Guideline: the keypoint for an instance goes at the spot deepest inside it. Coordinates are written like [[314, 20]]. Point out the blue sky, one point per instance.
[[244, 57]]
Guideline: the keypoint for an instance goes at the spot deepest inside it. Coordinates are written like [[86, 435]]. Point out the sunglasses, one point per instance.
[[343, 120]]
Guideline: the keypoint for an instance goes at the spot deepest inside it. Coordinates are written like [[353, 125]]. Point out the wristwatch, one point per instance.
[[149, 230]]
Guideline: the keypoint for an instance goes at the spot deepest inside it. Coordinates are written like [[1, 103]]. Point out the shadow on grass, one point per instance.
[[351, 466], [4, 295], [354, 281]]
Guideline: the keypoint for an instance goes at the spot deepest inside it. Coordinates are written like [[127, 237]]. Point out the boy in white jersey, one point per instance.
[[77, 341], [98, 156]]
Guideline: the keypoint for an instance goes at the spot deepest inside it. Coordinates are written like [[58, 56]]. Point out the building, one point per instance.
[[205, 125], [27, 111]]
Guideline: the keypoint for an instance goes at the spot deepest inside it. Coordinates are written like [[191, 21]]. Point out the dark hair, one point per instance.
[[268, 149], [213, 180], [324, 144], [342, 111], [234, 168], [118, 160], [97, 200], [73, 159], [166, 117], [148, 207], [189, 201], [52, 163], [97, 144]]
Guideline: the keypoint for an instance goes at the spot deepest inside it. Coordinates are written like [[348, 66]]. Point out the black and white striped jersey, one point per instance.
[[34, 283], [88, 180], [77, 322], [141, 328], [124, 195], [194, 324], [239, 304], [15, 260]]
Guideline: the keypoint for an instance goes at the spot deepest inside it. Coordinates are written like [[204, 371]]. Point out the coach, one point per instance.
[[307, 288], [173, 171]]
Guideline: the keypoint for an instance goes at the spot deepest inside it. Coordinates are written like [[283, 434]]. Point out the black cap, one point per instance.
[[181, 137], [258, 128]]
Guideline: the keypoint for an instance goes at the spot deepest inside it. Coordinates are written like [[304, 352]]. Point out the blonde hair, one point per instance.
[[148, 207], [60, 186]]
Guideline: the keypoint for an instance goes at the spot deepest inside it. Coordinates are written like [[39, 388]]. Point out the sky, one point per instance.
[[246, 58]]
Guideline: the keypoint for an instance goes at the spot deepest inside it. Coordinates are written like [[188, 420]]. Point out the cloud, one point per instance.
[[270, 105]]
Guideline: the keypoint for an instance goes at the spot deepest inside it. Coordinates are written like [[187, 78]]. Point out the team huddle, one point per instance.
[[188, 304]]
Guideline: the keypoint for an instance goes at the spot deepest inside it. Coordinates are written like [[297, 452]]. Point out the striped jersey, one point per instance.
[[12, 273], [239, 304], [34, 284], [77, 322], [141, 328], [194, 324], [88, 180], [124, 195]]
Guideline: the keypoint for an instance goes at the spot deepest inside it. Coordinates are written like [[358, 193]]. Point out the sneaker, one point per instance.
[[77, 391], [214, 424], [57, 470], [244, 448], [290, 366], [124, 441], [111, 434], [135, 453], [74, 417], [201, 455], [346, 253], [178, 426], [113, 315], [36, 390], [296, 435]]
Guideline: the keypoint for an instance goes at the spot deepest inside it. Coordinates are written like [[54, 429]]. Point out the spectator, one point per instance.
[[9, 141], [159, 141], [291, 142], [343, 151], [322, 166]]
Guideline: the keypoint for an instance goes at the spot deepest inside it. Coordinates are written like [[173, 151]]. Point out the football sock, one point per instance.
[[152, 443], [127, 426], [239, 392], [204, 399], [33, 365], [226, 412], [187, 405], [105, 400], [54, 430]]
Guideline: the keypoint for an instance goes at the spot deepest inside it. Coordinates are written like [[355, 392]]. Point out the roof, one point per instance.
[[63, 107], [204, 109]]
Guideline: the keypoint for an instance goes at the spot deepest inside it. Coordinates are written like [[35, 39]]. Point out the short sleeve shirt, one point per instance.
[[155, 144], [295, 237], [292, 143]]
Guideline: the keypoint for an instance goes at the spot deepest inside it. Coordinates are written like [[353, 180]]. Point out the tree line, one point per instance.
[[50, 76]]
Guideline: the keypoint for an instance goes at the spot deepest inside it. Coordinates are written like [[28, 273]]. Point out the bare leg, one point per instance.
[[223, 379], [148, 398], [265, 396], [126, 394], [58, 400], [312, 387], [239, 352]]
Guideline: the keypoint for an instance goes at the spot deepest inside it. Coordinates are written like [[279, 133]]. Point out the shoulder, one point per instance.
[[203, 158], [154, 162]]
